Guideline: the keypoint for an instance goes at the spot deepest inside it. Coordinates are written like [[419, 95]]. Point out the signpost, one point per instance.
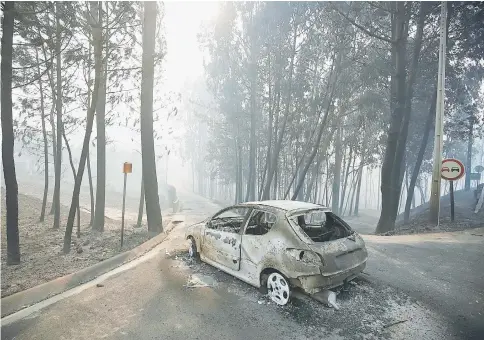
[[452, 170], [127, 169]]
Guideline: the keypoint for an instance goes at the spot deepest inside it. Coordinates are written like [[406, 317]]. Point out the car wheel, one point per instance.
[[192, 248], [278, 288]]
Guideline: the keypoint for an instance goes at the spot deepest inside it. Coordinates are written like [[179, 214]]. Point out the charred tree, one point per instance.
[[101, 139], [141, 204], [421, 152], [153, 212], [58, 108], [45, 140], [337, 172], [95, 19], [71, 162], [11, 187]]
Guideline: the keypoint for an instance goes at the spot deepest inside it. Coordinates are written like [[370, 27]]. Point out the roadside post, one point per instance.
[[452, 170], [127, 169]]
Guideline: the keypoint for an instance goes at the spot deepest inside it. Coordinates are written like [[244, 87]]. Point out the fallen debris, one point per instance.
[[99, 285], [178, 219], [199, 281], [394, 323], [328, 297]]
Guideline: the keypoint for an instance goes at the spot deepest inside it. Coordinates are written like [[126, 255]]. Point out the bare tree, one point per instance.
[[58, 164], [95, 20], [153, 211], [11, 187]]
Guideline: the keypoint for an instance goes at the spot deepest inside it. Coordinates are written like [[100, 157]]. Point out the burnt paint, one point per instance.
[[230, 240], [215, 235]]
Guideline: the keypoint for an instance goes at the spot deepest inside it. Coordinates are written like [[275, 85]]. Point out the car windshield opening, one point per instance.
[[320, 225]]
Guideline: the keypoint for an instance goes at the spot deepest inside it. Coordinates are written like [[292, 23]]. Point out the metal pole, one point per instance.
[[124, 204], [439, 122], [452, 213]]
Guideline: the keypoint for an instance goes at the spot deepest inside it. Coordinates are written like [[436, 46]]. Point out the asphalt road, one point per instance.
[[151, 300], [445, 271]]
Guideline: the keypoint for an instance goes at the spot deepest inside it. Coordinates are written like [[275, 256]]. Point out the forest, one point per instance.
[[305, 101]]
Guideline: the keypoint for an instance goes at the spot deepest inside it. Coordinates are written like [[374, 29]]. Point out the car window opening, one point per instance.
[[230, 221], [321, 226], [260, 223]]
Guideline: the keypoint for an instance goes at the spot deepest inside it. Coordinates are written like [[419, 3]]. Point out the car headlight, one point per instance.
[[305, 256]]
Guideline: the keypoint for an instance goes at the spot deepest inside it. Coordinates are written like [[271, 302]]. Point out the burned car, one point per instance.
[[279, 246]]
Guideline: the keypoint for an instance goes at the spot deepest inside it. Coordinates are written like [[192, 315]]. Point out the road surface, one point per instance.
[[151, 301], [444, 271]]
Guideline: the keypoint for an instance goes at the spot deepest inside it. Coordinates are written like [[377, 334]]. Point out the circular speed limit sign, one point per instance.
[[452, 169]]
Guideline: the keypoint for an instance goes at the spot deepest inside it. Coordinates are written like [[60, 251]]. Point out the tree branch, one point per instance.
[[362, 28]]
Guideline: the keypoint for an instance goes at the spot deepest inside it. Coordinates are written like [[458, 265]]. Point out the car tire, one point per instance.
[[278, 288], [192, 248]]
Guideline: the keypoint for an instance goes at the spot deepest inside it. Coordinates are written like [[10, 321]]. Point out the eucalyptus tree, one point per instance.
[[11, 187], [93, 17]]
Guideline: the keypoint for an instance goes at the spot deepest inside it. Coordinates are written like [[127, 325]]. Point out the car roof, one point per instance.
[[286, 205]]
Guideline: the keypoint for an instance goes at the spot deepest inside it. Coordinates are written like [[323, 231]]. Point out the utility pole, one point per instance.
[[439, 121]]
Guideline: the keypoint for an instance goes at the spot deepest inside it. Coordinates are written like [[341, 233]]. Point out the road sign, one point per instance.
[[475, 176], [452, 169], [127, 168]]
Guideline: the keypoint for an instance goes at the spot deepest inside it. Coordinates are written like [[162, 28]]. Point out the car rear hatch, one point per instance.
[[340, 255]]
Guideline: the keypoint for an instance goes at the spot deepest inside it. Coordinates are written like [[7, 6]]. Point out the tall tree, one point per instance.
[[11, 187], [101, 135], [46, 142], [95, 22], [58, 105], [153, 211]]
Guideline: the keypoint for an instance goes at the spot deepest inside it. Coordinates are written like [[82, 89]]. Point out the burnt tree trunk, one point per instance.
[[73, 174], [100, 203], [470, 138], [89, 172], [345, 182], [402, 94], [337, 173], [421, 152], [141, 204], [153, 211], [45, 140], [360, 176], [97, 39], [51, 119], [58, 164], [11, 187]]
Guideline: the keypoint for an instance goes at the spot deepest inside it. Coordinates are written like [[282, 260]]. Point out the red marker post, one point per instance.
[[452, 170]]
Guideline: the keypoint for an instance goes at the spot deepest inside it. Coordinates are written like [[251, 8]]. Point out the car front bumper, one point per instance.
[[314, 283]]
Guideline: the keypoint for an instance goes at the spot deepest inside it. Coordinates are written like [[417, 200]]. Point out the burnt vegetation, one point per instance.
[[332, 103]]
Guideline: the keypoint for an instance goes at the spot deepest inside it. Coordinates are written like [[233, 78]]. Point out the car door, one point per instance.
[[222, 237], [256, 239]]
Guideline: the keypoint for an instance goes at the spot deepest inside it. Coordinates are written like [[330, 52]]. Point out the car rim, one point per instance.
[[278, 288], [191, 250]]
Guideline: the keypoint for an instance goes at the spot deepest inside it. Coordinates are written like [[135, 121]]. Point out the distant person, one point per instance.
[[173, 198], [477, 192]]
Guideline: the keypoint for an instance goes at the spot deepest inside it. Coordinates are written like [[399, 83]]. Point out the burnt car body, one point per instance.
[[289, 242]]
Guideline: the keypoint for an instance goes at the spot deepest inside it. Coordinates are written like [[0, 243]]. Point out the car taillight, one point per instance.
[[306, 256]]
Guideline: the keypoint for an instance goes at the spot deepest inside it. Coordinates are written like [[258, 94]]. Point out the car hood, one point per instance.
[[195, 228]]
